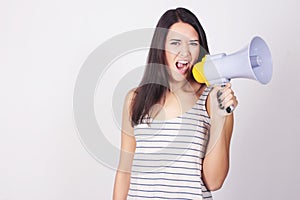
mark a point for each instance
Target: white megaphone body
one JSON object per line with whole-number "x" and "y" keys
{"x": 252, "y": 62}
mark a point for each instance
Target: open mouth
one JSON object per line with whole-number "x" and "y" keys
{"x": 182, "y": 66}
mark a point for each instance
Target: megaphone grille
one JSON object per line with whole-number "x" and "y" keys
{"x": 261, "y": 60}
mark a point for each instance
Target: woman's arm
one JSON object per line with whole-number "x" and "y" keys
{"x": 122, "y": 179}
{"x": 216, "y": 162}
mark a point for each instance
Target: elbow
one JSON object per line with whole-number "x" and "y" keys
{"x": 214, "y": 183}
{"x": 214, "y": 186}
{"x": 214, "y": 177}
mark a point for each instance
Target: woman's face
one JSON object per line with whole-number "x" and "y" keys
{"x": 182, "y": 50}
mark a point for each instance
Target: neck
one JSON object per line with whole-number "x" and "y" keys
{"x": 190, "y": 86}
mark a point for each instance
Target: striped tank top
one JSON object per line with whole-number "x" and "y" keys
{"x": 168, "y": 158}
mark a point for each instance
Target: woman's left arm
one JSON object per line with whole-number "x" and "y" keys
{"x": 216, "y": 162}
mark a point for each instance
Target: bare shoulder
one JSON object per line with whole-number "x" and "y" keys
{"x": 126, "y": 115}
{"x": 128, "y": 99}
{"x": 131, "y": 93}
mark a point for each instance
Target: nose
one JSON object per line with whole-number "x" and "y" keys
{"x": 184, "y": 51}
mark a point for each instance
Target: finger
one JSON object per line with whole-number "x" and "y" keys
{"x": 228, "y": 98}
{"x": 224, "y": 94}
{"x": 218, "y": 91}
{"x": 230, "y": 102}
{"x": 228, "y": 85}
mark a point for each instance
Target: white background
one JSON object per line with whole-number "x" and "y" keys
{"x": 43, "y": 45}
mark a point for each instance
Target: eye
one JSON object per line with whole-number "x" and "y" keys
{"x": 194, "y": 43}
{"x": 175, "y": 43}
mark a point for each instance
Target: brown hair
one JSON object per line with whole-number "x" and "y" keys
{"x": 154, "y": 83}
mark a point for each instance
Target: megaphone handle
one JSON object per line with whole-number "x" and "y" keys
{"x": 230, "y": 108}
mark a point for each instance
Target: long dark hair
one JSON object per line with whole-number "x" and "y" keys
{"x": 154, "y": 83}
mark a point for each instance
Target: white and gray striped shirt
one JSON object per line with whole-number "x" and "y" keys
{"x": 168, "y": 158}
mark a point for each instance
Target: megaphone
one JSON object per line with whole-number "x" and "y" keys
{"x": 252, "y": 62}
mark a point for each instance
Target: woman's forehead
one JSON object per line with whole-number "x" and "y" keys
{"x": 182, "y": 30}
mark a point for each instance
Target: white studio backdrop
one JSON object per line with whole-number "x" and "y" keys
{"x": 43, "y": 45}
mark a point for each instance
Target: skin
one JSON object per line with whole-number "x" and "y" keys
{"x": 182, "y": 44}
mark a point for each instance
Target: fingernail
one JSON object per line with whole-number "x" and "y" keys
{"x": 219, "y": 93}
{"x": 221, "y": 106}
{"x": 219, "y": 100}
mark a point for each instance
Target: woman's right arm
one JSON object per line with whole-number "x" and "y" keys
{"x": 122, "y": 179}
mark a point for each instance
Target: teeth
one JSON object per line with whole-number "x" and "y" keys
{"x": 183, "y": 62}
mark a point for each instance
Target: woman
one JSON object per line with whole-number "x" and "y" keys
{"x": 169, "y": 118}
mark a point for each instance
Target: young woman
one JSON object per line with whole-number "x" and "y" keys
{"x": 170, "y": 118}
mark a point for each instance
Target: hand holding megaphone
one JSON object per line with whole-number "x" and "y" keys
{"x": 252, "y": 62}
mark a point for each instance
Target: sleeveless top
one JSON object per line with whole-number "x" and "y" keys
{"x": 168, "y": 158}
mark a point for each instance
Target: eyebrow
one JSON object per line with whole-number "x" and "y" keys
{"x": 178, "y": 40}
